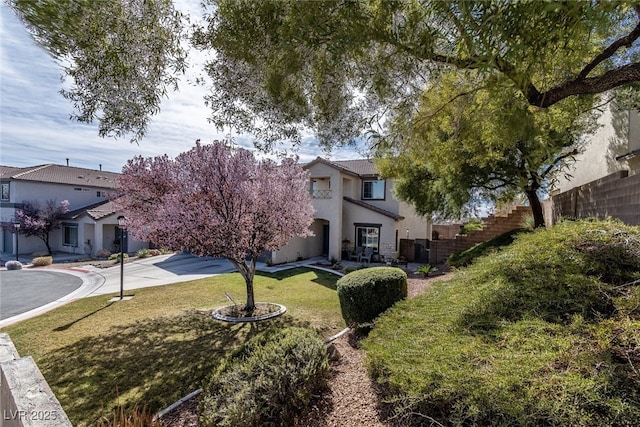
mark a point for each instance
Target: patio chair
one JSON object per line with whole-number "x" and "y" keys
{"x": 357, "y": 254}
{"x": 366, "y": 256}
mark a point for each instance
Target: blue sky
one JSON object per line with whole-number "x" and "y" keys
{"x": 34, "y": 118}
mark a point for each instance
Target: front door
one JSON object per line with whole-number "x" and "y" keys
{"x": 325, "y": 239}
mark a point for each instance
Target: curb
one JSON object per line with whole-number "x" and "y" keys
{"x": 90, "y": 282}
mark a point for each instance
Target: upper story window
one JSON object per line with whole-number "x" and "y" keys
{"x": 5, "y": 192}
{"x": 373, "y": 189}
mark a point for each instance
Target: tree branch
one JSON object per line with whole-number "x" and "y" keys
{"x": 558, "y": 160}
{"x": 611, "y": 79}
{"x": 625, "y": 41}
{"x": 460, "y": 95}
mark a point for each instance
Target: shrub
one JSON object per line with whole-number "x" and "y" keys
{"x": 42, "y": 261}
{"x": 472, "y": 225}
{"x": 545, "y": 332}
{"x": 269, "y": 381}
{"x": 143, "y": 253}
{"x": 365, "y": 294}
{"x": 13, "y": 265}
{"x": 103, "y": 253}
{"x": 116, "y": 257}
{"x": 154, "y": 252}
{"x": 426, "y": 269}
{"x": 123, "y": 417}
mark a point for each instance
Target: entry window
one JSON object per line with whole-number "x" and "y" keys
{"x": 373, "y": 190}
{"x": 70, "y": 233}
{"x": 368, "y": 237}
{"x": 5, "y": 192}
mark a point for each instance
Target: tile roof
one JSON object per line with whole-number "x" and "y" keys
{"x": 362, "y": 167}
{"x": 9, "y": 171}
{"x": 374, "y": 208}
{"x": 96, "y": 211}
{"x": 59, "y": 174}
{"x": 359, "y": 167}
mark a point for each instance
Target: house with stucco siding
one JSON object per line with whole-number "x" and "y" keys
{"x": 91, "y": 223}
{"x": 355, "y": 207}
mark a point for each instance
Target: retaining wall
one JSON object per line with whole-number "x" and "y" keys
{"x": 494, "y": 225}
{"x": 616, "y": 195}
{"x": 25, "y": 397}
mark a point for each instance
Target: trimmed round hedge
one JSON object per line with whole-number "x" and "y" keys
{"x": 367, "y": 293}
{"x": 268, "y": 382}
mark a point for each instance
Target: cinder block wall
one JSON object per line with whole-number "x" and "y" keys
{"x": 25, "y": 397}
{"x": 439, "y": 250}
{"x": 616, "y": 195}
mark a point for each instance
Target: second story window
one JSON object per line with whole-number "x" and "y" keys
{"x": 5, "y": 192}
{"x": 373, "y": 190}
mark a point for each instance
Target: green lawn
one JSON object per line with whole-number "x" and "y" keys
{"x": 158, "y": 347}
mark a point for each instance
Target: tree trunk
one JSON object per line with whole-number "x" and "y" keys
{"x": 536, "y": 208}
{"x": 46, "y": 242}
{"x": 247, "y": 270}
{"x": 251, "y": 272}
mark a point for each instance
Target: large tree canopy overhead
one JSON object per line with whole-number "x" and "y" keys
{"x": 337, "y": 66}
{"x": 122, "y": 56}
{"x": 344, "y": 67}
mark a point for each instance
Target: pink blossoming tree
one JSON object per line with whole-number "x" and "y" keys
{"x": 39, "y": 221}
{"x": 218, "y": 201}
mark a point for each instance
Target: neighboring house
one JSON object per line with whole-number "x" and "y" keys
{"x": 91, "y": 223}
{"x": 605, "y": 179}
{"x": 355, "y": 207}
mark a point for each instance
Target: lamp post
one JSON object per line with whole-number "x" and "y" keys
{"x": 122, "y": 223}
{"x": 16, "y": 226}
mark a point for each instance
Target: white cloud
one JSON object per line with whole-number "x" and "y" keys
{"x": 34, "y": 118}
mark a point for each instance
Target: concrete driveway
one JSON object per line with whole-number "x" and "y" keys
{"x": 159, "y": 270}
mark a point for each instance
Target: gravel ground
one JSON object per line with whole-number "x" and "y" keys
{"x": 351, "y": 399}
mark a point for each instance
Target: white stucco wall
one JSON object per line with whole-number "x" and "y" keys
{"x": 419, "y": 227}
{"x": 618, "y": 134}
{"x": 305, "y": 247}
{"x": 78, "y": 196}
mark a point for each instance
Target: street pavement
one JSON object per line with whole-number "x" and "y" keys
{"x": 22, "y": 291}
{"x": 27, "y": 293}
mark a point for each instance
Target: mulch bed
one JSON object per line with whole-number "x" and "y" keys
{"x": 352, "y": 399}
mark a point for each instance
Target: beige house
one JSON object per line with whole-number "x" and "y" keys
{"x": 354, "y": 207}
{"x": 91, "y": 223}
{"x": 605, "y": 179}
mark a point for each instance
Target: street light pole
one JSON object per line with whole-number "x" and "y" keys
{"x": 121, "y": 224}
{"x": 16, "y": 225}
